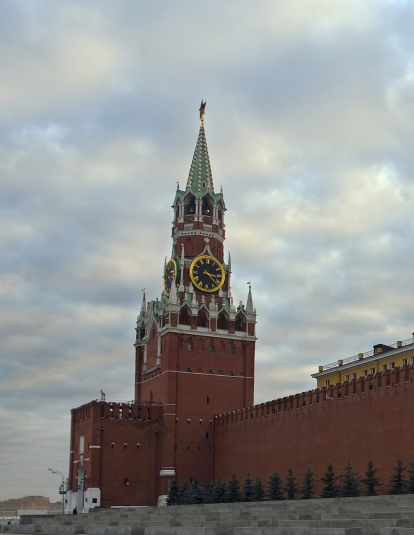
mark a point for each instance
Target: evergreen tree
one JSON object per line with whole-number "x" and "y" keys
{"x": 184, "y": 495}
{"x": 350, "y": 483}
{"x": 233, "y": 491}
{"x": 370, "y": 481}
{"x": 248, "y": 489}
{"x": 410, "y": 482}
{"x": 173, "y": 493}
{"x": 275, "y": 487}
{"x": 216, "y": 492}
{"x": 198, "y": 494}
{"x": 308, "y": 485}
{"x": 291, "y": 488}
{"x": 398, "y": 484}
{"x": 331, "y": 489}
{"x": 258, "y": 491}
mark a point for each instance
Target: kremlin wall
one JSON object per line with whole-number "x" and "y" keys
{"x": 192, "y": 415}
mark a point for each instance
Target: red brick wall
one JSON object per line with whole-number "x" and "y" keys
{"x": 118, "y": 456}
{"x": 375, "y": 425}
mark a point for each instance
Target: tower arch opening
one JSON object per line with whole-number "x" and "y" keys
{"x": 184, "y": 318}
{"x": 190, "y": 206}
{"x": 223, "y": 321}
{"x": 241, "y": 323}
{"x": 202, "y": 319}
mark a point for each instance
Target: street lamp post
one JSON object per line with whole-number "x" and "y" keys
{"x": 63, "y": 487}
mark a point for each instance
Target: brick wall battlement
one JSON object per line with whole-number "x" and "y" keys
{"x": 357, "y": 390}
{"x": 128, "y": 411}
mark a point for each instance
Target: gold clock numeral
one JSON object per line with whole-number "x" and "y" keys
{"x": 207, "y": 260}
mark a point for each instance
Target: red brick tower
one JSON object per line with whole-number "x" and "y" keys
{"x": 194, "y": 348}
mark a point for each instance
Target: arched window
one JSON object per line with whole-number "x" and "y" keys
{"x": 222, "y": 321}
{"x": 211, "y": 348}
{"x": 190, "y": 344}
{"x": 233, "y": 349}
{"x": 189, "y": 205}
{"x": 222, "y": 347}
{"x": 202, "y": 319}
{"x": 184, "y": 317}
{"x": 201, "y": 344}
{"x": 240, "y": 323}
{"x": 206, "y": 208}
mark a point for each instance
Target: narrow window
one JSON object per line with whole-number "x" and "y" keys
{"x": 137, "y": 446}
{"x": 231, "y": 373}
{"x": 112, "y": 445}
{"x": 347, "y": 378}
{"x": 365, "y": 373}
{"x": 81, "y": 444}
{"x": 372, "y": 371}
{"x": 354, "y": 376}
{"x": 392, "y": 365}
{"x": 206, "y": 435}
{"x": 404, "y": 362}
{"x": 189, "y": 370}
{"x": 327, "y": 382}
{"x": 232, "y": 349}
{"x": 211, "y": 348}
{"x": 125, "y": 446}
{"x": 384, "y": 367}
{"x": 208, "y": 399}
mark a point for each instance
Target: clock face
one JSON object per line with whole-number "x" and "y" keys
{"x": 207, "y": 274}
{"x": 170, "y": 275}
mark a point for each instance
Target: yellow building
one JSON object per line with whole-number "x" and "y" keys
{"x": 381, "y": 358}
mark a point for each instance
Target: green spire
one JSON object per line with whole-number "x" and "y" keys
{"x": 200, "y": 179}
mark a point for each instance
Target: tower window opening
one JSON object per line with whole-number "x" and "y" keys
{"x": 233, "y": 349}
{"x": 211, "y": 348}
{"x": 223, "y": 321}
{"x": 112, "y": 445}
{"x": 191, "y": 206}
{"x": 125, "y": 446}
{"x": 240, "y": 323}
{"x": 205, "y": 209}
{"x": 201, "y": 421}
{"x": 231, "y": 373}
{"x": 184, "y": 317}
{"x": 206, "y": 435}
{"x": 189, "y": 369}
{"x": 210, "y": 371}
{"x": 202, "y": 320}
{"x": 188, "y": 421}
{"x": 190, "y": 345}
{"x": 137, "y": 446}
{"x": 208, "y": 399}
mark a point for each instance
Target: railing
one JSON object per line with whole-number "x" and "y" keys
{"x": 367, "y": 354}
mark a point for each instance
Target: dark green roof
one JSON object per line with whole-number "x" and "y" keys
{"x": 200, "y": 179}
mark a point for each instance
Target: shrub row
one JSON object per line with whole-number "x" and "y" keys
{"x": 346, "y": 485}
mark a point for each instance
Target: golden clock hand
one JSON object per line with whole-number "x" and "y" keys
{"x": 211, "y": 276}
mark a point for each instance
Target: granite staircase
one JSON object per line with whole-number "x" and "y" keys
{"x": 380, "y": 515}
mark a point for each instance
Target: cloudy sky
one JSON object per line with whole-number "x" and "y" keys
{"x": 310, "y": 128}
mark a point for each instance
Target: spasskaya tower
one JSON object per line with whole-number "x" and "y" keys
{"x": 194, "y": 348}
